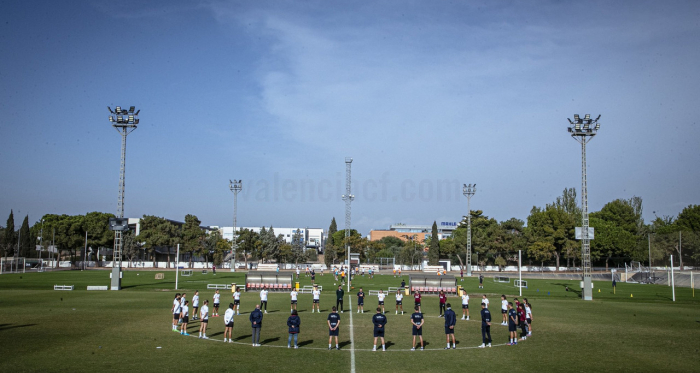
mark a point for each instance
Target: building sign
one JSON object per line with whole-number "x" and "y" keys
{"x": 448, "y": 224}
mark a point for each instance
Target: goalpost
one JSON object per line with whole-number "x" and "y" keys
{"x": 501, "y": 279}
{"x": 12, "y": 265}
{"x": 520, "y": 284}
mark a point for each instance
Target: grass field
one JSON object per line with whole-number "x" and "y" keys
{"x": 130, "y": 330}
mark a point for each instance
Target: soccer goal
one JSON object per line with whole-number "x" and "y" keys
{"x": 520, "y": 283}
{"x": 185, "y": 273}
{"x": 12, "y": 265}
{"x": 501, "y": 279}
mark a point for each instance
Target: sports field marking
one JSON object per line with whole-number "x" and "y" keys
{"x": 352, "y": 339}
{"x": 352, "y": 350}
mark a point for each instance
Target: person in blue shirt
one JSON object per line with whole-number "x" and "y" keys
{"x": 417, "y": 321}
{"x": 333, "y": 328}
{"x": 256, "y": 322}
{"x": 512, "y": 325}
{"x": 379, "y": 321}
{"x": 360, "y": 301}
{"x": 450, "y": 321}
{"x": 293, "y": 322}
{"x": 339, "y": 296}
{"x": 485, "y": 326}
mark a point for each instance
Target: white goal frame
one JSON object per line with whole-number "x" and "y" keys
{"x": 186, "y": 272}
{"x": 12, "y": 265}
{"x": 520, "y": 284}
{"x": 501, "y": 279}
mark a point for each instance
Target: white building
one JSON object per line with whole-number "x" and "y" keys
{"x": 313, "y": 237}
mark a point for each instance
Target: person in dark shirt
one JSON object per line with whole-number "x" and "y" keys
{"x": 450, "y": 321}
{"x": 403, "y": 284}
{"x": 443, "y": 301}
{"x": 379, "y": 321}
{"x": 333, "y": 328}
{"x": 293, "y": 322}
{"x": 360, "y": 301}
{"x": 512, "y": 325}
{"x": 485, "y": 326}
{"x": 481, "y": 281}
{"x": 522, "y": 318}
{"x": 340, "y": 294}
{"x": 417, "y": 321}
{"x": 256, "y": 322}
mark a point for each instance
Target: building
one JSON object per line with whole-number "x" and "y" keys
{"x": 417, "y": 233}
{"x": 313, "y": 237}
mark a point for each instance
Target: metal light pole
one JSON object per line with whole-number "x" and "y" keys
{"x": 468, "y": 191}
{"x": 125, "y": 122}
{"x": 348, "y": 198}
{"x": 583, "y": 130}
{"x": 235, "y": 186}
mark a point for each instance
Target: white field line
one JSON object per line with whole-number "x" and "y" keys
{"x": 352, "y": 339}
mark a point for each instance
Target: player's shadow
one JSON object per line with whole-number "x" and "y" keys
{"x": 572, "y": 290}
{"x": 389, "y": 344}
{"x": 269, "y": 340}
{"x": 304, "y": 343}
{"x": 10, "y": 326}
{"x": 215, "y": 334}
{"x": 243, "y": 337}
{"x": 425, "y": 343}
{"x": 343, "y": 344}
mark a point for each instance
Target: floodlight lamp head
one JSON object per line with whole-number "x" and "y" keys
{"x": 118, "y": 109}
{"x": 576, "y": 117}
{"x": 111, "y": 119}
{"x": 597, "y": 126}
{"x": 131, "y": 109}
{"x": 588, "y": 116}
{"x": 136, "y": 121}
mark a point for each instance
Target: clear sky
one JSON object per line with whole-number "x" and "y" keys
{"x": 424, "y": 95}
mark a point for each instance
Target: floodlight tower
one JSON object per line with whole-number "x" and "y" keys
{"x": 348, "y": 198}
{"x": 125, "y": 122}
{"x": 583, "y": 130}
{"x": 235, "y": 186}
{"x": 468, "y": 191}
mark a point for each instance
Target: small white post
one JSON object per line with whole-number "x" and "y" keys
{"x": 520, "y": 272}
{"x": 177, "y": 265}
{"x": 673, "y": 285}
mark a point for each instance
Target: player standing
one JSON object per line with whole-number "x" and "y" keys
{"x": 504, "y": 310}
{"x": 182, "y": 302}
{"x": 216, "y": 298}
{"x": 313, "y": 275}
{"x": 294, "y": 294}
{"x": 465, "y": 305}
{"x": 297, "y": 272}
{"x": 485, "y": 300}
{"x": 481, "y": 282}
{"x": 293, "y": 322}
{"x": 379, "y": 321}
{"x": 399, "y": 301}
{"x": 237, "y": 301}
{"x": 522, "y": 319}
{"x": 528, "y": 311}
{"x": 256, "y": 318}
{"x": 317, "y": 296}
{"x": 512, "y": 327}
{"x": 416, "y": 299}
{"x": 380, "y": 298}
{"x": 195, "y": 305}
{"x": 185, "y": 316}
{"x": 417, "y": 321}
{"x": 204, "y": 315}
{"x": 333, "y": 328}
{"x": 175, "y": 309}
{"x": 461, "y": 274}
{"x": 263, "y": 298}
{"x": 228, "y": 323}
{"x": 485, "y": 326}
{"x": 450, "y": 322}
{"x": 443, "y": 302}
{"x": 360, "y": 301}
{"x": 339, "y": 297}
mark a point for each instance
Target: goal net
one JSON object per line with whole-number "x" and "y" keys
{"x": 520, "y": 283}
{"x": 501, "y": 279}
{"x": 12, "y": 265}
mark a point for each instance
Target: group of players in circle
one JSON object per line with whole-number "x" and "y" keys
{"x": 514, "y": 314}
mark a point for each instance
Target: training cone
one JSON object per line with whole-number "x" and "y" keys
{"x": 631, "y": 295}
{"x": 599, "y": 290}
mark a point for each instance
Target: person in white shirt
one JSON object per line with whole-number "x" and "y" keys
{"x": 294, "y": 294}
{"x": 175, "y": 310}
{"x": 216, "y": 298}
{"x": 195, "y": 305}
{"x": 185, "y": 316}
{"x": 317, "y": 298}
{"x": 263, "y": 298}
{"x": 204, "y": 315}
{"x": 399, "y": 301}
{"x": 381, "y": 297}
{"x": 297, "y": 272}
{"x": 228, "y": 323}
{"x": 504, "y": 310}
{"x": 465, "y": 305}
{"x": 485, "y": 300}
{"x": 528, "y": 316}
{"x": 237, "y": 301}
{"x": 182, "y": 302}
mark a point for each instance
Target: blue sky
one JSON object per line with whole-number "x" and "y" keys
{"x": 424, "y": 96}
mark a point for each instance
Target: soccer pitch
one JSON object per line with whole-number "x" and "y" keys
{"x": 130, "y": 330}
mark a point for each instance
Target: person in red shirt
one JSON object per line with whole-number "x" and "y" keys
{"x": 522, "y": 316}
{"x": 443, "y": 300}
{"x": 416, "y": 298}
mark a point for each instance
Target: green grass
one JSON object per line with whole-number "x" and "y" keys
{"x": 46, "y": 330}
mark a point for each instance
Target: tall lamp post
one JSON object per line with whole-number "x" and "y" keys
{"x": 583, "y": 130}
{"x": 235, "y": 186}
{"x": 125, "y": 122}
{"x": 468, "y": 191}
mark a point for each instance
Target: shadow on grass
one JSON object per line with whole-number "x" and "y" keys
{"x": 269, "y": 340}
{"x": 343, "y": 344}
{"x": 215, "y": 334}
{"x": 577, "y": 292}
{"x": 10, "y": 326}
{"x": 389, "y": 344}
{"x": 304, "y": 343}
{"x": 243, "y": 337}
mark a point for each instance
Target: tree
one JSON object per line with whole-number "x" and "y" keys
{"x": 331, "y": 231}
{"x": 541, "y": 251}
{"x": 158, "y": 232}
{"x": 610, "y": 240}
{"x": 689, "y": 218}
{"x": 96, "y": 224}
{"x": 222, "y": 246}
{"x": 356, "y": 243}
{"x": 9, "y": 238}
{"x": 24, "y": 238}
{"x": 130, "y": 246}
{"x": 553, "y": 226}
{"x": 270, "y": 244}
{"x": 192, "y": 236}
{"x": 434, "y": 251}
{"x": 297, "y": 247}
